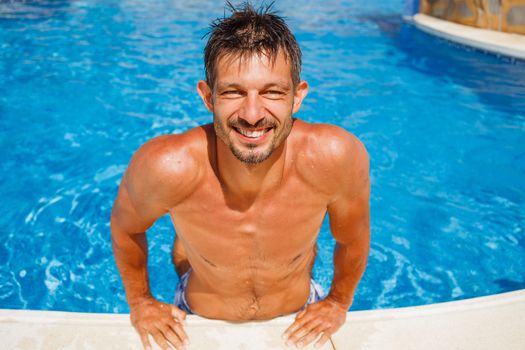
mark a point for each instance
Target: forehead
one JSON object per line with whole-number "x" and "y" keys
{"x": 260, "y": 67}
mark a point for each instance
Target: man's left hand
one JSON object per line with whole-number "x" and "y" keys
{"x": 322, "y": 319}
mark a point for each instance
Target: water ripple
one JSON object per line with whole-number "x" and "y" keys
{"x": 83, "y": 84}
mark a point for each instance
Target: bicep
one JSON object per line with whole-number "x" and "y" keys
{"x": 132, "y": 212}
{"x": 145, "y": 192}
{"x": 350, "y": 217}
{"x": 349, "y": 212}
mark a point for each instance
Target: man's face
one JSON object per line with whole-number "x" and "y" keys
{"x": 252, "y": 103}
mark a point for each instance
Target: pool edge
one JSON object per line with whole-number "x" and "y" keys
{"x": 477, "y": 323}
{"x": 506, "y": 44}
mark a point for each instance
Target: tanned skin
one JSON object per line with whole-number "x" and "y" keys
{"x": 248, "y": 230}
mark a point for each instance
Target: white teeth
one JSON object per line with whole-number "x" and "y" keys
{"x": 252, "y": 134}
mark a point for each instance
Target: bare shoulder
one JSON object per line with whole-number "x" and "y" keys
{"x": 331, "y": 157}
{"x": 167, "y": 168}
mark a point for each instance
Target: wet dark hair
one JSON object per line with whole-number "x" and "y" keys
{"x": 247, "y": 32}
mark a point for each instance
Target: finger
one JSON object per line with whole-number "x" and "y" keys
{"x": 172, "y": 338}
{"x": 311, "y": 336}
{"x": 179, "y": 330}
{"x": 302, "y": 332}
{"x": 144, "y": 339}
{"x": 298, "y": 323}
{"x": 305, "y": 330}
{"x": 290, "y": 330}
{"x": 178, "y": 313}
{"x": 324, "y": 338}
{"x": 160, "y": 340}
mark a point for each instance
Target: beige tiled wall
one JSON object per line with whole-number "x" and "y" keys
{"x": 499, "y": 15}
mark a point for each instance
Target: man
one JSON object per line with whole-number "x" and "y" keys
{"x": 247, "y": 196}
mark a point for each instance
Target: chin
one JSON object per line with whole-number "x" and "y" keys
{"x": 251, "y": 157}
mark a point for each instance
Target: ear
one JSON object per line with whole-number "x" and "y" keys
{"x": 300, "y": 93}
{"x": 206, "y": 94}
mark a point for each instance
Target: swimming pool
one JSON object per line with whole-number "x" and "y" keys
{"x": 83, "y": 84}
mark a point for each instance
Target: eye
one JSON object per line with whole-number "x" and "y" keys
{"x": 274, "y": 93}
{"x": 231, "y": 93}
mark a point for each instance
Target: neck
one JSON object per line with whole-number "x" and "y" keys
{"x": 249, "y": 180}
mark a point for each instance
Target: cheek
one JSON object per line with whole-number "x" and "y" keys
{"x": 224, "y": 109}
{"x": 280, "y": 109}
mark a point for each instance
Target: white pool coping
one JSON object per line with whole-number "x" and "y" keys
{"x": 492, "y": 322}
{"x": 507, "y": 44}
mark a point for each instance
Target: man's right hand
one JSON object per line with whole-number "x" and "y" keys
{"x": 163, "y": 321}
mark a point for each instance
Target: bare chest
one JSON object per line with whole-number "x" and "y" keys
{"x": 273, "y": 228}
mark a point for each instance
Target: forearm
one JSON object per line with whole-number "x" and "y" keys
{"x": 349, "y": 266}
{"x": 131, "y": 255}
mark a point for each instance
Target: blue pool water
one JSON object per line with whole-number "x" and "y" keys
{"x": 84, "y": 83}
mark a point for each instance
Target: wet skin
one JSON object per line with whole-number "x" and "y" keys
{"x": 247, "y": 196}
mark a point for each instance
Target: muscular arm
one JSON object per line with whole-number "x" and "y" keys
{"x": 350, "y": 225}
{"x": 130, "y": 247}
{"x": 152, "y": 184}
{"x": 349, "y": 185}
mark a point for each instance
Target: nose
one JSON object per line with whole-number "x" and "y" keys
{"x": 252, "y": 108}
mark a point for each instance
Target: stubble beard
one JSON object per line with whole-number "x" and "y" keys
{"x": 252, "y": 155}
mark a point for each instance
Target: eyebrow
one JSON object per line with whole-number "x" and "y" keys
{"x": 279, "y": 84}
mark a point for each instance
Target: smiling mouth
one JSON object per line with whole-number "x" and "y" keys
{"x": 252, "y": 134}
